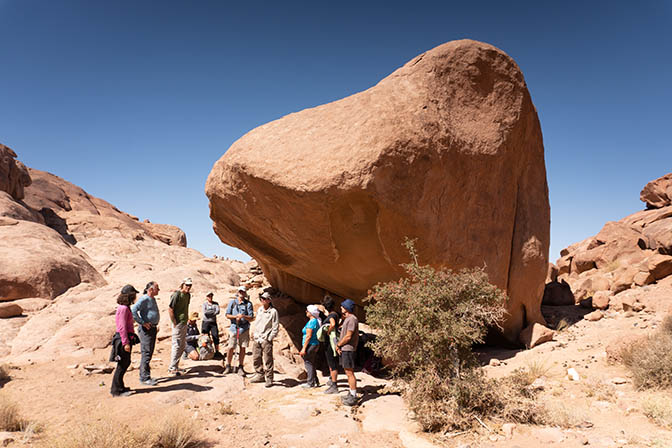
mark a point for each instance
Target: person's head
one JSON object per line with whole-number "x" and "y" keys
{"x": 210, "y": 296}
{"x": 347, "y": 306}
{"x": 328, "y": 303}
{"x": 312, "y": 311}
{"x": 186, "y": 285}
{"x": 241, "y": 293}
{"x": 152, "y": 289}
{"x": 265, "y": 300}
{"x": 193, "y": 317}
{"x": 127, "y": 295}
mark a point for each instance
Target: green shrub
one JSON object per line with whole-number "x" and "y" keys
{"x": 432, "y": 317}
{"x": 426, "y": 324}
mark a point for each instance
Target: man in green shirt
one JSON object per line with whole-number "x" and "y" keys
{"x": 178, "y": 310}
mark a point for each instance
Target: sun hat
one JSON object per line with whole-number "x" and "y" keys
{"x": 242, "y": 289}
{"x": 129, "y": 289}
{"x": 313, "y": 310}
{"x": 348, "y": 305}
{"x": 266, "y": 296}
{"x": 193, "y": 316}
{"x": 187, "y": 281}
{"x": 210, "y": 294}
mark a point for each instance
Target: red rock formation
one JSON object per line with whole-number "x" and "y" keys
{"x": 658, "y": 193}
{"x": 447, "y": 149}
{"x": 14, "y": 176}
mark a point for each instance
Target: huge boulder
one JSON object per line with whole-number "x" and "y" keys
{"x": 38, "y": 262}
{"x": 447, "y": 150}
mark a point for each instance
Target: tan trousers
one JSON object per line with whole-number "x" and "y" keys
{"x": 263, "y": 350}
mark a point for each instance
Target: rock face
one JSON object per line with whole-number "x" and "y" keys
{"x": 447, "y": 149}
{"x": 658, "y": 193}
{"x": 633, "y": 252}
{"x": 13, "y": 174}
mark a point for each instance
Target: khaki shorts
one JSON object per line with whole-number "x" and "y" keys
{"x": 243, "y": 339}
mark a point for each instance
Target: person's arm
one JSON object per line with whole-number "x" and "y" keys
{"x": 136, "y": 310}
{"x": 206, "y": 310}
{"x": 171, "y": 311}
{"x": 122, "y": 327}
{"x": 309, "y": 334}
{"x": 275, "y": 325}
{"x": 216, "y": 309}
{"x": 332, "y": 325}
{"x": 346, "y": 337}
{"x": 229, "y": 312}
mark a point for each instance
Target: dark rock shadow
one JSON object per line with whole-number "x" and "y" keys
{"x": 51, "y": 219}
{"x": 560, "y": 317}
{"x": 287, "y": 382}
{"x": 173, "y": 387}
{"x": 370, "y": 393}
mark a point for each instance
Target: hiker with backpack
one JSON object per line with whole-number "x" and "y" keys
{"x": 310, "y": 345}
{"x": 346, "y": 347}
{"x": 240, "y": 313}
{"x": 266, "y": 326}
{"x": 209, "y": 324}
{"x": 328, "y": 335}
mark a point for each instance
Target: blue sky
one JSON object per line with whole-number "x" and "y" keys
{"x": 134, "y": 101}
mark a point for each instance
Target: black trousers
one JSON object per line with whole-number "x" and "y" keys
{"x": 212, "y": 329}
{"x": 147, "y": 343}
{"x": 118, "y": 378}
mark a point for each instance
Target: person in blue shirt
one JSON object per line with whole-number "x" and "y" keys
{"x": 240, "y": 313}
{"x": 310, "y": 345}
{"x": 146, "y": 313}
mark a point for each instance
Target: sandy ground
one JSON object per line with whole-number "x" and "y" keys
{"x": 602, "y": 408}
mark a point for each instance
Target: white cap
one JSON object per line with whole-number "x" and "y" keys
{"x": 242, "y": 289}
{"x": 266, "y": 296}
{"x": 313, "y": 310}
{"x": 187, "y": 281}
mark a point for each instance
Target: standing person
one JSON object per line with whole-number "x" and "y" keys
{"x": 178, "y": 310}
{"x": 240, "y": 312}
{"x": 265, "y": 329}
{"x": 310, "y": 345}
{"x": 123, "y": 339}
{"x": 346, "y": 348}
{"x": 146, "y": 314}
{"x": 209, "y": 324}
{"x": 330, "y": 347}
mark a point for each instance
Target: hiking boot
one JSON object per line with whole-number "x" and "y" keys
{"x": 308, "y": 386}
{"x": 330, "y": 383}
{"x": 240, "y": 371}
{"x": 176, "y": 371}
{"x": 122, "y": 394}
{"x": 269, "y": 383}
{"x": 257, "y": 378}
{"x": 228, "y": 369}
{"x": 218, "y": 356}
{"x": 349, "y": 400}
{"x": 149, "y": 382}
{"x": 333, "y": 389}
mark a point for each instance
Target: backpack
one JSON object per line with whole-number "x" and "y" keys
{"x": 205, "y": 348}
{"x": 322, "y": 332}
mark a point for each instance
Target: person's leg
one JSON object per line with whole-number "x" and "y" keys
{"x": 243, "y": 342}
{"x": 352, "y": 380}
{"x": 175, "y": 352}
{"x": 145, "y": 354}
{"x": 268, "y": 361}
{"x": 118, "y": 386}
{"x": 231, "y": 345}
{"x": 257, "y": 357}
{"x": 309, "y": 363}
{"x": 214, "y": 334}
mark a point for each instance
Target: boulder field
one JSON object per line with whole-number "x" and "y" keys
{"x": 446, "y": 150}
{"x": 625, "y": 264}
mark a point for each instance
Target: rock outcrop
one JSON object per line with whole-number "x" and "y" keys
{"x": 14, "y": 176}
{"x": 658, "y": 193}
{"x": 631, "y": 253}
{"x": 447, "y": 150}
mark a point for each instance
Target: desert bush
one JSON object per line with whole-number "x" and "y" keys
{"x": 658, "y": 408}
{"x": 650, "y": 359}
{"x": 561, "y": 414}
{"x": 174, "y": 431}
{"x": 426, "y": 324}
{"x": 599, "y": 390}
{"x": 432, "y": 317}
{"x": 10, "y": 416}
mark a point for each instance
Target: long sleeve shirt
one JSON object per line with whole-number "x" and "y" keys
{"x": 266, "y": 324}
{"x": 124, "y": 321}
{"x": 210, "y": 311}
{"x": 146, "y": 310}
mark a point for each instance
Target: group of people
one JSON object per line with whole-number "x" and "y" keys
{"x": 338, "y": 332}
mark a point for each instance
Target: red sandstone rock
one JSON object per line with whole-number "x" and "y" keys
{"x": 594, "y": 316}
{"x": 658, "y": 193}
{"x": 9, "y": 309}
{"x": 535, "y": 334}
{"x": 659, "y": 266}
{"x": 447, "y": 149}
{"x": 14, "y": 176}
{"x": 601, "y": 300}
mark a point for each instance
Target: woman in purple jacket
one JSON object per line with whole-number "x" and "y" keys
{"x": 123, "y": 338}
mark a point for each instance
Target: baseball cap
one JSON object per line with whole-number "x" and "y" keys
{"x": 129, "y": 289}
{"x": 187, "y": 281}
{"x": 266, "y": 296}
{"x": 348, "y": 305}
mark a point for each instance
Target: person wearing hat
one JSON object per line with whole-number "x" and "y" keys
{"x": 178, "y": 310}
{"x": 310, "y": 345}
{"x": 240, "y": 313}
{"x": 346, "y": 347}
{"x": 191, "y": 349}
{"x": 266, "y": 326}
{"x": 146, "y": 314}
{"x": 122, "y": 341}
{"x": 209, "y": 324}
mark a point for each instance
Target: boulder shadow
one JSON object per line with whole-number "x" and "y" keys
{"x": 287, "y": 382}
{"x": 371, "y": 392}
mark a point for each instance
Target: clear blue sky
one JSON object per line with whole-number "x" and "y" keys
{"x": 135, "y": 100}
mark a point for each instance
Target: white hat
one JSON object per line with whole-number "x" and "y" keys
{"x": 314, "y": 310}
{"x": 242, "y": 289}
{"x": 266, "y": 296}
{"x": 187, "y": 281}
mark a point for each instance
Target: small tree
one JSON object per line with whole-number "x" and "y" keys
{"x": 430, "y": 319}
